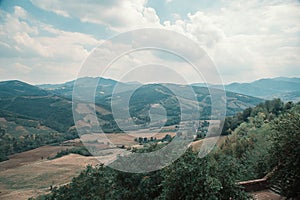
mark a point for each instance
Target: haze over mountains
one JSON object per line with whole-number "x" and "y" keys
{"x": 51, "y": 105}
{"x": 287, "y": 89}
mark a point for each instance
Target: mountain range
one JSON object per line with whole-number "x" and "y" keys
{"x": 287, "y": 89}
{"x": 284, "y": 88}
{"x": 51, "y": 104}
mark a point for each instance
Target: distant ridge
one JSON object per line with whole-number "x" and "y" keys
{"x": 16, "y": 88}
{"x": 285, "y": 88}
{"x": 288, "y": 89}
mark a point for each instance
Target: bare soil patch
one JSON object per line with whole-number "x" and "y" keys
{"x": 36, "y": 177}
{"x": 197, "y": 144}
{"x": 267, "y": 195}
{"x": 27, "y": 157}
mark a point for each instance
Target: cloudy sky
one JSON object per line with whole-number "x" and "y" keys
{"x": 47, "y": 41}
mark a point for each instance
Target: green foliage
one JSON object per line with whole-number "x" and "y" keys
{"x": 93, "y": 183}
{"x": 54, "y": 112}
{"x": 141, "y": 100}
{"x": 18, "y": 88}
{"x": 268, "y": 110}
{"x": 286, "y": 153}
{"x": 250, "y": 141}
{"x": 190, "y": 177}
{"x": 76, "y": 150}
{"x": 16, "y": 138}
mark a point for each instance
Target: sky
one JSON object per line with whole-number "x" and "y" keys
{"x": 49, "y": 41}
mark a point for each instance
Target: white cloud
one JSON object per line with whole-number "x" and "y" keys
{"x": 133, "y": 55}
{"x": 53, "y": 6}
{"x": 117, "y": 15}
{"x": 26, "y": 38}
{"x": 247, "y": 40}
{"x": 22, "y": 68}
{"x": 31, "y": 47}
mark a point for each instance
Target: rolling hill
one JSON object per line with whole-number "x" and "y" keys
{"x": 17, "y": 88}
{"x": 145, "y": 96}
{"x": 32, "y": 116}
{"x": 51, "y": 105}
{"x": 282, "y": 87}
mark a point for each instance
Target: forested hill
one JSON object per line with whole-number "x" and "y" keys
{"x": 53, "y": 107}
{"x": 284, "y": 88}
{"x": 263, "y": 139}
{"x": 31, "y": 116}
{"x": 17, "y": 88}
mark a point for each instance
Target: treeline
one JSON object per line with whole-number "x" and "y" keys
{"x": 51, "y": 111}
{"x": 19, "y": 134}
{"x": 11, "y": 144}
{"x": 31, "y": 122}
{"x": 145, "y": 140}
{"x": 76, "y": 150}
{"x": 263, "y": 139}
{"x": 270, "y": 109}
{"x": 267, "y": 140}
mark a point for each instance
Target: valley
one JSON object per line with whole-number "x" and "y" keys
{"x": 40, "y": 147}
{"x": 32, "y": 173}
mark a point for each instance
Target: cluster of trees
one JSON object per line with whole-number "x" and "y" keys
{"x": 142, "y": 140}
{"x": 76, "y": 150}
{"x": 10, "y": 144}
{"x": 202, "y": 129}
{"x": 30, "y": 136}
{"x": 267, "y": 141}
{"x": 41, "y": 119}
{"x": 285, "y": 153}
{"x": 270, "y": 109}
{"x": 190, "y": 177}
{"x": 54, "y": 112}
{"x": 145, "y": 140}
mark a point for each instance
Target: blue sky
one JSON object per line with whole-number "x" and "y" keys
{"x": 46, "y": 41}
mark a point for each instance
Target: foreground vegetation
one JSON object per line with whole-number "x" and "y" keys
{"x": 260, "y": 140}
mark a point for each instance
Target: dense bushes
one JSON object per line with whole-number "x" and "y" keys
{"x": 285, "y": 151}
{"x": 76, "y": 150}
{"x": 190, "y": 177}
{"x": 270, "y": 109}
{"x": 269, "y": 140}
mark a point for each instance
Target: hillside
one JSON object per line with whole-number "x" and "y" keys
{"x": 104, "y": 88}
{"x": 32, "y": 116}
{"x": 260, "y": 140}
{"x": 19, "y": 134}
{"x": 17, "y": 88}
{"x": 44, "y": 116}
{"x": 144, "y": 95}
{"x": 282, "y": 87}
{"x": 52, "y": 106}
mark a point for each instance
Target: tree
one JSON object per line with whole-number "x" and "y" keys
{"x": 2, "y": 132}
{"x": 212, "y": 177}
{"x": 286, "y": 153}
